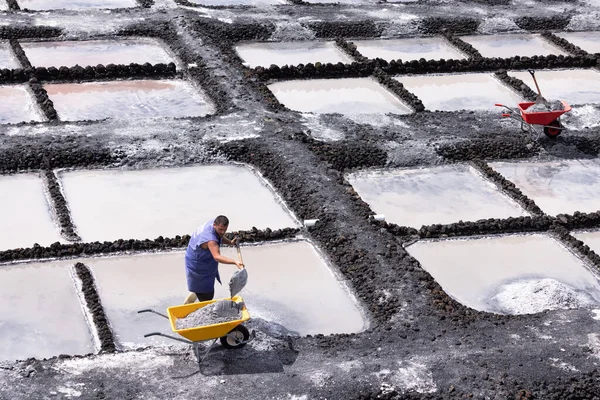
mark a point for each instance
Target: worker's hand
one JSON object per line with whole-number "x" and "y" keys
{"x": 239, "y": 265}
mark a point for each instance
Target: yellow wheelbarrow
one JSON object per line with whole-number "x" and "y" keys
{"x": 232, "y": 334}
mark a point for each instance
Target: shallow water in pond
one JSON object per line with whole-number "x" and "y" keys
{"x": 289, "y": 285}
{"x": 345, "y": 96}
{"x": 408, "y": 49}
{"x": 25, "y": 213}
{"x": 127, "y": 99}
{"x": 588, "y": 41}
{"x": 94, "y": 52}
{"x": 17, "y": 105}
{"x": 441, "y": 195}
{"x": 115, "y": 204}
{"x": 452, "y": 92}
{"x": 575, "y": 86}
{"x": 290, "y": 53}
{"x": 7, "y": 60}
{"x": 75, "y": 4}
{"x": 506, "y": 46}
{"x": 40, "y": 313}
{"x": 473, "y": 270}
{"x": 560, "y": 187}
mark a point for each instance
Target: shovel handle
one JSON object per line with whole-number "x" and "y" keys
{"x": 237, "y": 246}
{"x": 532, "y": 72}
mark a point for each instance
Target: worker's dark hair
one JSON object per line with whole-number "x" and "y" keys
{"x": 222, "y": 220}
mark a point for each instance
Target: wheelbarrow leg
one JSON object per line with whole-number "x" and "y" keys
{"x": 197, "y": 351}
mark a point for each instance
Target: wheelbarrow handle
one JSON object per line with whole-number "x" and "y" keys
{"x": 152, "y": 311}
{"x": 169, "y": 336}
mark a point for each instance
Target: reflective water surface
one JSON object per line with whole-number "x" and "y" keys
{"x": 290, "y": 53}
{"x": 472, "y": 270}
{"x": 575, "y": 86}
{"x": 345, "y": 96}
{"x": 408, "y": 49}
{"x": 115, "y": 204}
{"x": 452, "y": 92}
{"x": 17, "y": 105}
{"x": 560, "y": 187}
{"x": 442, "y": 195}
{"x": 84, "y": 53}
{"x": 505, "y": 46}
{"x": 127, "y": 99}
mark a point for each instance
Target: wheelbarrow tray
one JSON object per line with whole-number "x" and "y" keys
{"x": 543, "y": 117}
{"x": 205, "y": 332}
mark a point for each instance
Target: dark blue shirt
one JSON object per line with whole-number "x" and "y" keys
{"x": 201, "y": 269}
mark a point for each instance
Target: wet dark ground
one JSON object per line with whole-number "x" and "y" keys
{"x": 420, "y": 343}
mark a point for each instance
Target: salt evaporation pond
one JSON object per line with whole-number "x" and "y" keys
{"x": 408, "y": 49}
{"x": 557, "y": 187}
{"x": 453, "y": 92}
{"x": 278, "y": 278}
{"x": 587, "y": 41}
{"x": 94, "y": 52}
{"x": 127, "y": 99}
{"x": 575, "y": 86}
{"x": 290, "y": 53}
{"x": 140, "y": 204}
{"x": 40, "y": 313}
{"x": 344, "y": 96}
{"x": 25, "y": 213}
{"x": 510, "y": 45}
{"x": 17, "y": 105}
{"x": 7, "y": 60}
{"x": 590, "y": 238}
{"x": 75, "y": 4}
{"x": 440, "y": 195}
{"x": 483, "y": 273}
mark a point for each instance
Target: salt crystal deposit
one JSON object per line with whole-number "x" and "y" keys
{"x": 208, "y": 315}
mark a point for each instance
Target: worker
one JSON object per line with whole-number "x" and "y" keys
{"x": 203, "y": 255}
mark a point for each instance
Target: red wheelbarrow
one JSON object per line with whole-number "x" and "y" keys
{"x": 549, "y": 120}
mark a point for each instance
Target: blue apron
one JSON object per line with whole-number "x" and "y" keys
{"x": 201, "y": 269}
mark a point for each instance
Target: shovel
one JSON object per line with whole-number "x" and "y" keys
{"x": 539, "y": 99}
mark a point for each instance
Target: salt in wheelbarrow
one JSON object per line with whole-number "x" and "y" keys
{"x": 232, "y": 334}
{"x": 549, "y": 120}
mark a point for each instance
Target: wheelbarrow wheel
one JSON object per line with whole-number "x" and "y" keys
{"x": 236, "y": 338}
{"x": 553, "y": 129}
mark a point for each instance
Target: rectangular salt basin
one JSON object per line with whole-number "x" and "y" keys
{"x": 25, "y": 213}
{"x": 587, "y": 41}
{"x": 408, "y": 49}
{"x": 474, "y": 271}
{"x": 440, "y": 195}
{"x": 140, "y": 204}
{"x": 94, "y": 52}
{"x": 75, "y": 5}
{"x": 590, "y": 238}
{"x": 127, "y": 99}
{"x": 575, "y": 86}
{"x": 453, "y": 92}
{"x": 290, "y": 53}
{"x": 510, "y": 45}
{"x": 17, "y": 105}
{"x": 345, "y": 96}
{"x": 40, "y": 313}
{"x": 7, "y": 60}
{"x": 557, "y": 187}
{"x": 278, "y": 278}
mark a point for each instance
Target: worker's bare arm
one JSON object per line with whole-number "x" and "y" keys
{"x": 216, "y": 253}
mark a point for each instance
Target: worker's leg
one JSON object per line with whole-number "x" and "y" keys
{"x": 205, "y": 296}
{"x": 190, "y": 298}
